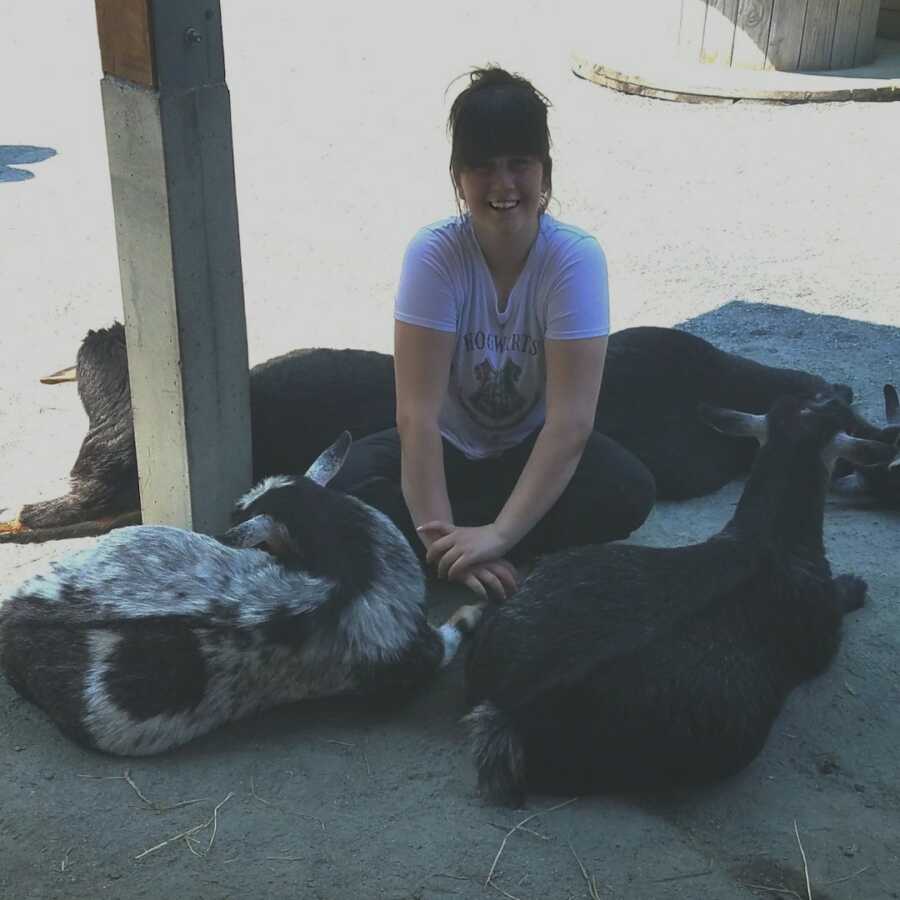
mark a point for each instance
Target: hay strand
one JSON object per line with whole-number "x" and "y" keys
{"x": 805, "y": 866}
{"x": 515, "y": 828}
{"x": 591, "y": 880}
{"x": 846, "y": 877}
{"x": 185, "y": 835}
{"x": 152, "y": 804}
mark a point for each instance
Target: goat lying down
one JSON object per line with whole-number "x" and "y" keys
{"x": 652, "y": 375}
{"x": 878, "y": 482}
{"x": 623, "y": 667}
{"x": 290, "y": 424}
{"x": 156, "y": 635}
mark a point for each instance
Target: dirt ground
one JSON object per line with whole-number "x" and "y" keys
{"x": 771, "y": 231}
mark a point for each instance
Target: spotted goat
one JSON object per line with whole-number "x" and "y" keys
{"x": 157, "y": 635}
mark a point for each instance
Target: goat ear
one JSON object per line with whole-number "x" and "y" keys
{"x": 861, "y": 452}
{"x": 251, "y": 533}
{"x": 734, "y": 422}
{"x": 891, "y": 405}
{"x": 329, "y": 463}
{"x": 843, "y": 392}
{"x": 260, "y": 532}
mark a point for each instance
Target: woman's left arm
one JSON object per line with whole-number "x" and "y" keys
{"x": 574, "y": 374}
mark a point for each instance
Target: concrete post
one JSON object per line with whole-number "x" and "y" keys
{"x": 168, "y": 127}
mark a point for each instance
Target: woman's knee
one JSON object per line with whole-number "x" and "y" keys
{"x": 386, "y": 496}
{"x": 635, "y": 497}
{"x": 611, "y": 493}
{"x": 374, "y": 456}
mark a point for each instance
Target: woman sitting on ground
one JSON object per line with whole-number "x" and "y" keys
{"x": 501, "y": 327}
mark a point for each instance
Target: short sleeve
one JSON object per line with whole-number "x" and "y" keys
{"x": 425, "y": 295}
{"x": 578, "y": 299}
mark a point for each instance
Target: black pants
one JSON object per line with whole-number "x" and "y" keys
{"x": 610, "y": 494}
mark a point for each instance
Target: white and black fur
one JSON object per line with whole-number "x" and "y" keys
{"x": 156, "y": 635}
{"x": 623, "y": 667}
{"x": 653, "y": 380}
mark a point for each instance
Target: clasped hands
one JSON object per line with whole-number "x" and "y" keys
{"x": 472, "y": 556}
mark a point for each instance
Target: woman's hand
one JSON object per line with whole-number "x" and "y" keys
{"x": 471, "y": 556}
{"x": 453, "y": 549}
{"x": 498, "y": 578}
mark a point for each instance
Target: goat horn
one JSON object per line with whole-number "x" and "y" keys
{"x": 61, "y": 377}
{"x": 891, "y": 405}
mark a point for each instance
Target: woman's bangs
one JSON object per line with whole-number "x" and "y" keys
{"x": 500, "y": 126}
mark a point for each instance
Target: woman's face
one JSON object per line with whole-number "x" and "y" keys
{"x": 503, "y": 193}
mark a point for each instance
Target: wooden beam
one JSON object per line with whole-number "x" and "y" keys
{"x": 172, "y": 175}
{"x": 126, "y": 50}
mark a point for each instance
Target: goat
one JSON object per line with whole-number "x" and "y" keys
{"x": 621, "y": 667}
{"x": 654, "y": 381}
{"x": 290, "y": 423}
{"x": 652, "y": 375}
{"x": 876, "y": 481}
{"x": 156, "y": 635}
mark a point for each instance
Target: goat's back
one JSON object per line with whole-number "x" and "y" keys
{"x": 156, "y": 635}
{"x": 302, "y": 401}
{"x": 653, "y": 382}
{"x": 632, "y": 667}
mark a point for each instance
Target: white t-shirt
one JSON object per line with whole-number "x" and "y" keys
{"x": 496, "y": 394}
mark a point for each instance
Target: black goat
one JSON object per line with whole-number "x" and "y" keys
{"x": 878, "y": 482}
{"x": 622, "y": 667}
{"x": 301, "y": 401}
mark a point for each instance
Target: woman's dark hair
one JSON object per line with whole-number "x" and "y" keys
{"x": 499, "y": 114}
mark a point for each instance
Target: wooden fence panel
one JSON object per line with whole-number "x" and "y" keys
{"x": 818, "y": 34}
{"x": 690, "y": 32}
{"x": 718, "y": 33}
{"x": 785, "y": 35}
{"x": 751, "y": 38}
{"x": 846, "y": 29}
{"x": 889, "y": 20}
{"x": 868, "y": 25}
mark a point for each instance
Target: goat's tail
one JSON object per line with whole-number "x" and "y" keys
{"x": 499, "y": 754}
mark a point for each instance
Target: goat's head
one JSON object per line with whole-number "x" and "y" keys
{"x": 874, "y": 480}
{"x": 266, "y": 517}
{"x": 882, "y": 482}
{"x": 823, "y": 425}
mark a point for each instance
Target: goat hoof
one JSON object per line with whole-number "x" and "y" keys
{"x": 851, "y": 591}
{"x": 466, "y": 618}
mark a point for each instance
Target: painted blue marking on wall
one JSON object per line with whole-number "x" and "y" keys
{"x": 18, "y": 155}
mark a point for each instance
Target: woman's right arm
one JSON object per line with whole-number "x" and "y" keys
{"x": 422, "y": 358}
